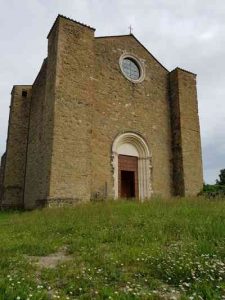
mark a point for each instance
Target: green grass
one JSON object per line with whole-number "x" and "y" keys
{"x": 119, "y": 250}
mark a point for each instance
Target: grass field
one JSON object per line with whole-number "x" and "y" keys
{"x": 172, "y": 249}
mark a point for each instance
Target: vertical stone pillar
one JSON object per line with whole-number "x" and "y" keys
{"x": 73, "y": 100}
{"x": 39, "y": 144}
{"x": 16, "y": 148}
{"x": 186, "y": 144}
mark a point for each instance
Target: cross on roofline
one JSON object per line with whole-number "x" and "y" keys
{"x": 130, "y": 28}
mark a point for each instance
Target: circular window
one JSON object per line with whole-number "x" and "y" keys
{"x": 132, "y": 68}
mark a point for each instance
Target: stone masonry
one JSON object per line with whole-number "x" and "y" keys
{"x": 62, "y": 128}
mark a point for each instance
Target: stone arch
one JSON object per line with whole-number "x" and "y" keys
{"x": 130, "y": 143}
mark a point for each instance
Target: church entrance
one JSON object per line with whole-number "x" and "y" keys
{"x": 131, "y": 161}
{"x": 127, "y": 184}
{"x": 128, "y": 176}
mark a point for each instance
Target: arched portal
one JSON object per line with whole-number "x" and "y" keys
{"x": 130, "y": 147}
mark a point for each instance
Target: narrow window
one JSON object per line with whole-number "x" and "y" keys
{"x": 24, "y": 94}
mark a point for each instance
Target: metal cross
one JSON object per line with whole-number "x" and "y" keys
{"x": 130, "y": 29}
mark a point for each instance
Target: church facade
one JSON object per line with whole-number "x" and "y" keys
{"x": 102, "y": 120}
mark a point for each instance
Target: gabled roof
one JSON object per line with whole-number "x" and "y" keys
{"x": 114, "y": 36}
{"x": 131, "y": 35}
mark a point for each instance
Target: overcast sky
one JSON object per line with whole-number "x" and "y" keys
{"x": 189, "y": 34}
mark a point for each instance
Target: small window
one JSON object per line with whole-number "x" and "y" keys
{"x": 24, "y": 94}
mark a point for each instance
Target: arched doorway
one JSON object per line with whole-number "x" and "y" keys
{"x": 131, "y": 162}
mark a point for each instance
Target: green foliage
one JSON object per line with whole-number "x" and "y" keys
{"x": 213, "y": 190}
{"x": 119, "y": 250}
{"x": 221, "y": 181}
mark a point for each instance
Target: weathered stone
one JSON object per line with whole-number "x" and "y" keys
{"x": 81, "y": 102}
{"x": 16, "y": 151}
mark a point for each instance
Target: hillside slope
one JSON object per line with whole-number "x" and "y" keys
{"x": 172, "y": 249}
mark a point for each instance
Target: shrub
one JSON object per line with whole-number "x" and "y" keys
{"x": 213, "y": 190}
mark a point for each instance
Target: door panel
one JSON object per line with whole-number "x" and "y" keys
{"x": 128, "y": 176}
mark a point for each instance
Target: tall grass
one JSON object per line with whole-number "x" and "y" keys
{"x": 160, "y": 249}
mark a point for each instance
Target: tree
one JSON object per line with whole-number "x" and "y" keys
{"x": 221, "y": 181}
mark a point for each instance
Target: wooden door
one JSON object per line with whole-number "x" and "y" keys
{"x": 128, "y": 176}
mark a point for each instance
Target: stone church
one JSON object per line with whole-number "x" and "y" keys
{"x": 104, "y": 119}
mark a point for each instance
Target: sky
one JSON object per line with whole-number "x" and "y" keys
{"x": 189, "y": 34}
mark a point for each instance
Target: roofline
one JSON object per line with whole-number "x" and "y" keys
{"x": 25, "y": 85}
{"x": 131, "y": 34}
{"x": 111, "y": 36}
{"x": 61, "y": 16}
{"x": 115, "y": 36}
{"x": 177, "y": 69}
{"x": 44, "y": 62}
{"x": 3, "y": 155}
{"x": 22, "y": 85}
